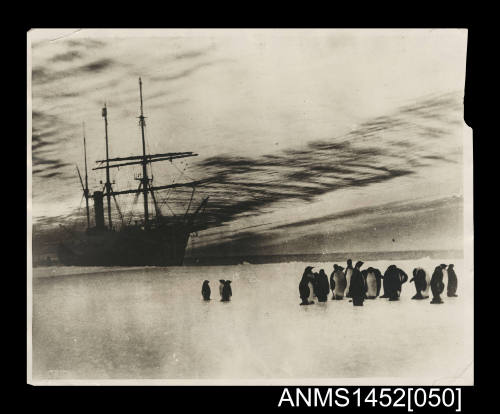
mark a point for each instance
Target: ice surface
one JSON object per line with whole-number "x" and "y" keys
{"x": 151, "y": 323}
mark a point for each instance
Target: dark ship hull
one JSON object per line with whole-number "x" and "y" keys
{"x": 132, "y": 246}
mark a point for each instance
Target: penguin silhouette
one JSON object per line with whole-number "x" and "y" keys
{"x": 315, "y": 286}
{"x": 205, "y": 290}
{"x": 393, "y": 281}
{"x": 421, "y": 283}
{"x": 403, "y": 278}
{"x": 348, "y": 274}
{"x": 358, "y": 285}
{"x": 437, "y": 285}
{"x": 227, "y": 292}
{"x": 322, "y": 286}
{"x": 332, "y": 281}
{"x": 305, "y": 286}
{"x": 452, "y": 282}
{"x": 337, "y": 282}
{"x": 373, "y": 279}
{"x": 221, "y": 286}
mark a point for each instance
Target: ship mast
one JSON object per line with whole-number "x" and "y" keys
{"x": 108, "y": 182}
{"x": 145, "y": 179}
{"x": 86, "y": 190}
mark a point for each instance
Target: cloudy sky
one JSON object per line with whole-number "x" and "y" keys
{"x": 316, "y": 140}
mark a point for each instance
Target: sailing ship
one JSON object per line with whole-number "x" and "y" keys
{"x": 155, "y": 240}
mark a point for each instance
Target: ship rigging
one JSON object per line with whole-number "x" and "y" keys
{"x": 158, "y": 241}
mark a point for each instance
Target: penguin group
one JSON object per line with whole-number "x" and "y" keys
{"x": 225, "y": 290}
{"x": 360, "y": 285}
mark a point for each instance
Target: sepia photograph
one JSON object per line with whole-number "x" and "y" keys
{"x": 249, "y": 207}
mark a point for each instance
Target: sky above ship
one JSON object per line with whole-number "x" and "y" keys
{"x": 306, "y": 138}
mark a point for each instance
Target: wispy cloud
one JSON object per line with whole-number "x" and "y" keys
{"x": 365, "y": 156}
{"x": 86, "y": 43}
{"x": 66, "y": 56}
{"x": 41, "y": 75}
{"x": 183, "y": 73}
{"x": 191, "y": 54}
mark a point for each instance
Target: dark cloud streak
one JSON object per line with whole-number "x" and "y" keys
{"x": 67, "y": 56}
{"x": 41, "y": 75}
{"x": 240, "y": 186}
{"x": 186, "y": 72}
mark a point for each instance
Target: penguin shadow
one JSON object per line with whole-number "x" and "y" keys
{"x": 322, "y": 305}
{"x": 394, "y": 301}
{"x": 419, "y": 296}
{"x": 314, "y": 307}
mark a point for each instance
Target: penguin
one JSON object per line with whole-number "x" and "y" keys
{"x": 221, "y": 286}
{"x": 311, "y": 285}
{"x": 437, "y": 285}
{"x": 403, "y": 278}
{"x": 393, "y": 281}
{"x": 205, "y": 290}
{"x": 373, "y": 281}
{"x": 305, "y": 285}
{"x": 348, "y": 275}
{"x": 451, "y": 290}
{"x": 379, "y": 277}
{"x": 322, "y": 286}
{"x": 422, "y": 283}
{"x": 315, "y": 284}
{"x": 389, "y": 281}
{"x": 332, "y": 281}
{"x": 227, "y": 292}
{"x": 304, "y": 288}
{"x": 337, "y": 283}
{"x": 357, "y": 285}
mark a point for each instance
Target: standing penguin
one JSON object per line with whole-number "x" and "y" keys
{"x": 227, "y": 292}
{"x": 373, "y": 279}
{"x": 451, "y": 290}
{"x": 403, "y": 278}
{"x": 311, "y": 283}
{"x": 205, "y": 290}
{"x": 305, "y": 286}
{"x": 385, "y": 285}
{"x": 437, "y": 285}
{"x": 393, "y": 281}
{"x": 357, "y": 285}
{"x": 348, "y": 275}
{"x": 337, "y": 282}
{"x": 322, "y": 286}
{"x": 332, "y": 281}
{"x": 221, "y": 286}
{"x": 315, "y": 288}
{"x": 422, "y": 283}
